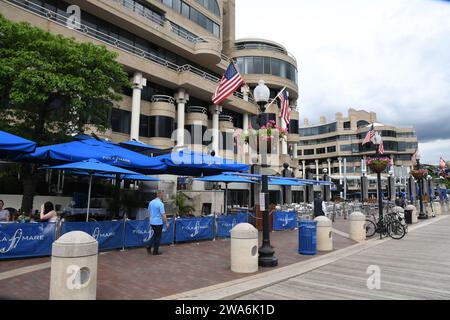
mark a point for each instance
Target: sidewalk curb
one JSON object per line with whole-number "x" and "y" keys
{"x": 237, "y": 288}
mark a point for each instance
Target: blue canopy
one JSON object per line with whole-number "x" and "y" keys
{"x": 11, "y": 145}
{"x": 225, "y": 179}
{"x": 284, "y": 182}
{"x": 138, "y": 146}
{"x": 136, "y": 177}
{"x": 103, "y": 151}
{"x": 190, "y": 163}
{"x": 92, "y": 167}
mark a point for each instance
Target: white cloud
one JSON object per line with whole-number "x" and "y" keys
{"x": 387, "y": 56}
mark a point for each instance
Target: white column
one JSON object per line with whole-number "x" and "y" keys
{"x": 295, "y": 146}
{"x": 304, "y": 169}
{"x": 245, "y": 122}
{"x": 340, "y": 170}
{"x": 181, "y": 98}
{"x": 245, "y": 91}
{"x": 345, "y": 178}
{"x": 317, "y": 170}
{"x": 329, "y": 166}
{"x": 216, "y": 110}
{"x": 139, "y": 83}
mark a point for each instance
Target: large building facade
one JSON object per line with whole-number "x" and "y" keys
{"x": 337, "y": 147}
{"x": 175, "y": 52}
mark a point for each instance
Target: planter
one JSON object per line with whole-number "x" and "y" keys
{"x": 379, "y": 166}
{"x": 419, "y": 174}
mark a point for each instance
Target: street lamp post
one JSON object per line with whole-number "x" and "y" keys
{"x": 430, "y": 194}
{"x": 285, "y": 174}
{"x": 325, "y": 187}
{"x": 363, "y": 184}
{"x": 423, "y": 215}
{"x": 267, "y": 257}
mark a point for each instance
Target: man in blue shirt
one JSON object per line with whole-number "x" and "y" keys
{"x": 157, "y": 217}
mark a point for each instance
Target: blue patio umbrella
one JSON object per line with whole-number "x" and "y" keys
{"x": 136, "y": 177}
{"x": 285, "y": 182}
{"x": 103, "y": 151}
{"x": 190, "y": 163}
{"x": 138, "y": 146}
{"x": 12, "y": 145}
{"x": 225, "y": 178}
{"x": 92, "y": 167}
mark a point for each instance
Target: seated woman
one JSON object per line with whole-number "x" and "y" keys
{"x": 5, "y": 215}
{"x": 48, "y": 213}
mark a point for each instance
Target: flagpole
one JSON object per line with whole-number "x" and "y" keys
{"x": 278, "y": 95}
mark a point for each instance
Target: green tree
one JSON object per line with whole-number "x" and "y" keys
{"x": 52, "y": 87}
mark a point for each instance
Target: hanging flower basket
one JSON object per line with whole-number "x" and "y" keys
{"x": 419, "y": 174}
{"x": 378, "y": 165}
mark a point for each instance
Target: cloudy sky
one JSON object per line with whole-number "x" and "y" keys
{"x": 387, "y": 56}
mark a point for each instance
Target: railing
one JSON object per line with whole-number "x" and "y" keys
{"x": 162, "y": 21}
{"x": 264, "y": 47}
{"x": 226, "y": 118}
{"x": 197, "y": 109}
{"x": 162, "y": 98}
{"x": 100, "y": 36}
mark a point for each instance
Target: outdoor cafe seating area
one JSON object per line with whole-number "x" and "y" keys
{"x": 95, "y": 161}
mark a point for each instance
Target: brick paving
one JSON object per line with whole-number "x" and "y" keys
{"x": 134, "y": 275}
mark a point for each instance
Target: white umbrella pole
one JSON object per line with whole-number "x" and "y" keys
{"x": 89, "y": 198}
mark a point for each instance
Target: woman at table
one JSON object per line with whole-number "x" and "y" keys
{"x": 48, "y": 213}
{"x": 4, "y": 214}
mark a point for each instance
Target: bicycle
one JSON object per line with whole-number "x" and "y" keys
{"x": 391, "y": 225}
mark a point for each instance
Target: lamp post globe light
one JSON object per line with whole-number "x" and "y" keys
{"x": 423, "y": 214}
{"x": 267, "y": 257}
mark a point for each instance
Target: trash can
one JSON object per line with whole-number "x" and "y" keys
{"x": 324, "y": 234}
{"x": 408, "y": 216}
{"x": 307, "y": 237}
{"x": 73, "y": 274}
{"x": 244, "y": 248}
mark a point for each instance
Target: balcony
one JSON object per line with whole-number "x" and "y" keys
{"x": 207, "y": 48}
{"x": 264, "y": 47}
{"x": 163, "y": 99}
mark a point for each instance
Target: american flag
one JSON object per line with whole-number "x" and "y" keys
{"x": 442, "y": 164}
{"x": 370, "y": 135}
{"x": 285, "y": 114}
{"x": 381, "y": 148}
{"x": 230, "y": 82}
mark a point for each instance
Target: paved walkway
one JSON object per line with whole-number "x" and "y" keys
{"x": 133, "y": 275}
{"x": 417, "y": 267}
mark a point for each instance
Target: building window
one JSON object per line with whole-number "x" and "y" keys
{"x": 320, "y": 151}
{"x": 346, "y": 148}
{"x": 197, "y": 133}
{"x": 293, "y": 126}
{"x": 331, "y": 149}
{"x": 328, "y": 128}
{"x": 347, "y": 125}
{"x": 362, "y": 123}
{"x": 309, "y": 152}
{"x": 156, "y": 127}
{"x": 267, "y": 65}
{"x": 195, "y": 16}
{"x": 121, "y": 121}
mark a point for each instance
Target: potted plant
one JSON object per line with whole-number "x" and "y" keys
{"x": 378, "y": 165}
{"x": 184, "y": 210}
{"x": 419, "y": 174}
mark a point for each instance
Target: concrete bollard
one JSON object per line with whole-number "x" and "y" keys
{"x": 74, "y": 267}
{"x": 324, "y": 234}
{"x": 415, "y": 218}
{"x": 244, "y": 249}
{"x": 399, "y": 210}
{"x": 357, "y": 226}
{"x": 437, "y": 209}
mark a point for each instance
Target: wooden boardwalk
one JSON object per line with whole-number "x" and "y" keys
{"x": 415, "y": 268}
